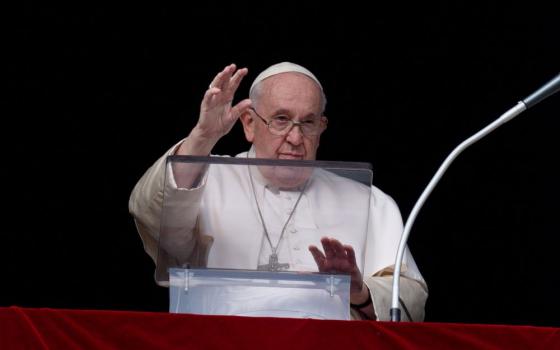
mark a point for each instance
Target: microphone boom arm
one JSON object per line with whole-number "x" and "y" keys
{"x": 545, "y": 91}
{"x": 510, "y": 114}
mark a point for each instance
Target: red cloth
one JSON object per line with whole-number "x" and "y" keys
{"x": 22, "y": 328}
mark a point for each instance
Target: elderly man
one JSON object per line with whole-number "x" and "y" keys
{"x": 283, "y": 119}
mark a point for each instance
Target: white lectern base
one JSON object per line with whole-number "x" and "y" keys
{"x": 259, "y": 293}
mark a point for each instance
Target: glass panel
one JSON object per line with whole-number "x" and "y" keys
{"x": 258, "y": 214}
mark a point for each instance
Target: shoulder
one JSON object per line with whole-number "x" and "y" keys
{"x": 338, "y": 181}
{"x": 350, "y": 186}
{"x": 384, "y": 204}
{"x": 241, "y": 155}
{"x": 381, "y": 196}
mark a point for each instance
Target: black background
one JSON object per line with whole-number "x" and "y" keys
{"x": 93, "y": 94}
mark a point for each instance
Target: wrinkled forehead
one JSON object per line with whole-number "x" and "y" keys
{"x": 290, "y": 90}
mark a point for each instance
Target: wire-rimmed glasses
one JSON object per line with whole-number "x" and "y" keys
{"x": 281, "y": 125}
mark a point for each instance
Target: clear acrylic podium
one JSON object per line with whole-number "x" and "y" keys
{"x": 235, "y": 234}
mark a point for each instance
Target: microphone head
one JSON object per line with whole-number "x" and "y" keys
{"x": 545, "y": 91}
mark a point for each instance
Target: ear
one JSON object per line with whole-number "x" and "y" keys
{"x": 324, "y": 122}
{"x": 248, "y": 125}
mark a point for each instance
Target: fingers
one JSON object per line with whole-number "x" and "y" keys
{"x": 210, "y": 92}
{"x": 217, "y": 116}
{"x": 223, "y": 87}
{"x": 236, "y": 80}
{"x": 333, "y": 248}
{"x": 228, "y": 80}
{"x": 319, "y": 258}
{"x": 351, "y": 254}
{"x": 208, "y": 99}
{"x": 211, "y": 96}
{"x": 328, "y": 248}
{"x": 337, "y": 258}
{"x": 240, "y": 108}
{"x": 222, "y": 77}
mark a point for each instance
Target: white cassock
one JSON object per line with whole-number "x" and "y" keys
{"x": 217, "y": 224}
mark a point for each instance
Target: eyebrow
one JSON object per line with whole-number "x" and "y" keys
{"x": 283, "y": 111}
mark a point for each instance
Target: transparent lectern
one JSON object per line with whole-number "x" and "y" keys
{"x": 235, "y": 234}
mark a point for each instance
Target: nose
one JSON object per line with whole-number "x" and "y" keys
{"x": 295, "y": 135}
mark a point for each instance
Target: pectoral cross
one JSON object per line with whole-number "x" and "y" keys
{"x": 273, "y": 264}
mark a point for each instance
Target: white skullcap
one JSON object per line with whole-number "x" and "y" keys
{"x": 283, "y": 67}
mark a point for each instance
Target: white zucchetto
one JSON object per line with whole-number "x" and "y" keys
{"x": 283, "y": 67}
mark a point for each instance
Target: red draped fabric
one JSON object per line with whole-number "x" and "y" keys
{"x": 25, "y": 328}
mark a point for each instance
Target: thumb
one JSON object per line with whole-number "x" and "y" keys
{"x": 240, "y": 108}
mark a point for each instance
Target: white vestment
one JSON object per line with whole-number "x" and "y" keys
{"x": 217, "y": 224}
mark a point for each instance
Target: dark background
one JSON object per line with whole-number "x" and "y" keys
{"x": 94, "y": 94}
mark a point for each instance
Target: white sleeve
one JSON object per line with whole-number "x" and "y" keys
{"x": 384, "y": 233}
{"x": 182, "y": 207}
{"x": 412, "y": 300}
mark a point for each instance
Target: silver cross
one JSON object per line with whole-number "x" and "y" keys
{"x": 273, "y": 264}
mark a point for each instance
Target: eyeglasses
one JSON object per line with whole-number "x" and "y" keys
{"x": 281, "y": 125}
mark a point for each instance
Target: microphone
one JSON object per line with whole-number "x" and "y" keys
{"x": 545, "y": 91}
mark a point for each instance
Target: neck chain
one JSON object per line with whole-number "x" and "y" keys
{"x": 273, "y": 264}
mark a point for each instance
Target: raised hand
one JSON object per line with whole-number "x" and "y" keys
{"x": 217, "y": 116}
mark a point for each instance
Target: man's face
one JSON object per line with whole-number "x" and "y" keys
{"x": 295, "y": 96}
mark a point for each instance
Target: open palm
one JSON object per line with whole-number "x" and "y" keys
{"x": 338, "y": 258}
{"x": 217, "y": 116}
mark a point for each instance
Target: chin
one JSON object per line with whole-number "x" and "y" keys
{"x": 290, "y": 157}
{"x": 286, "y": 176}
